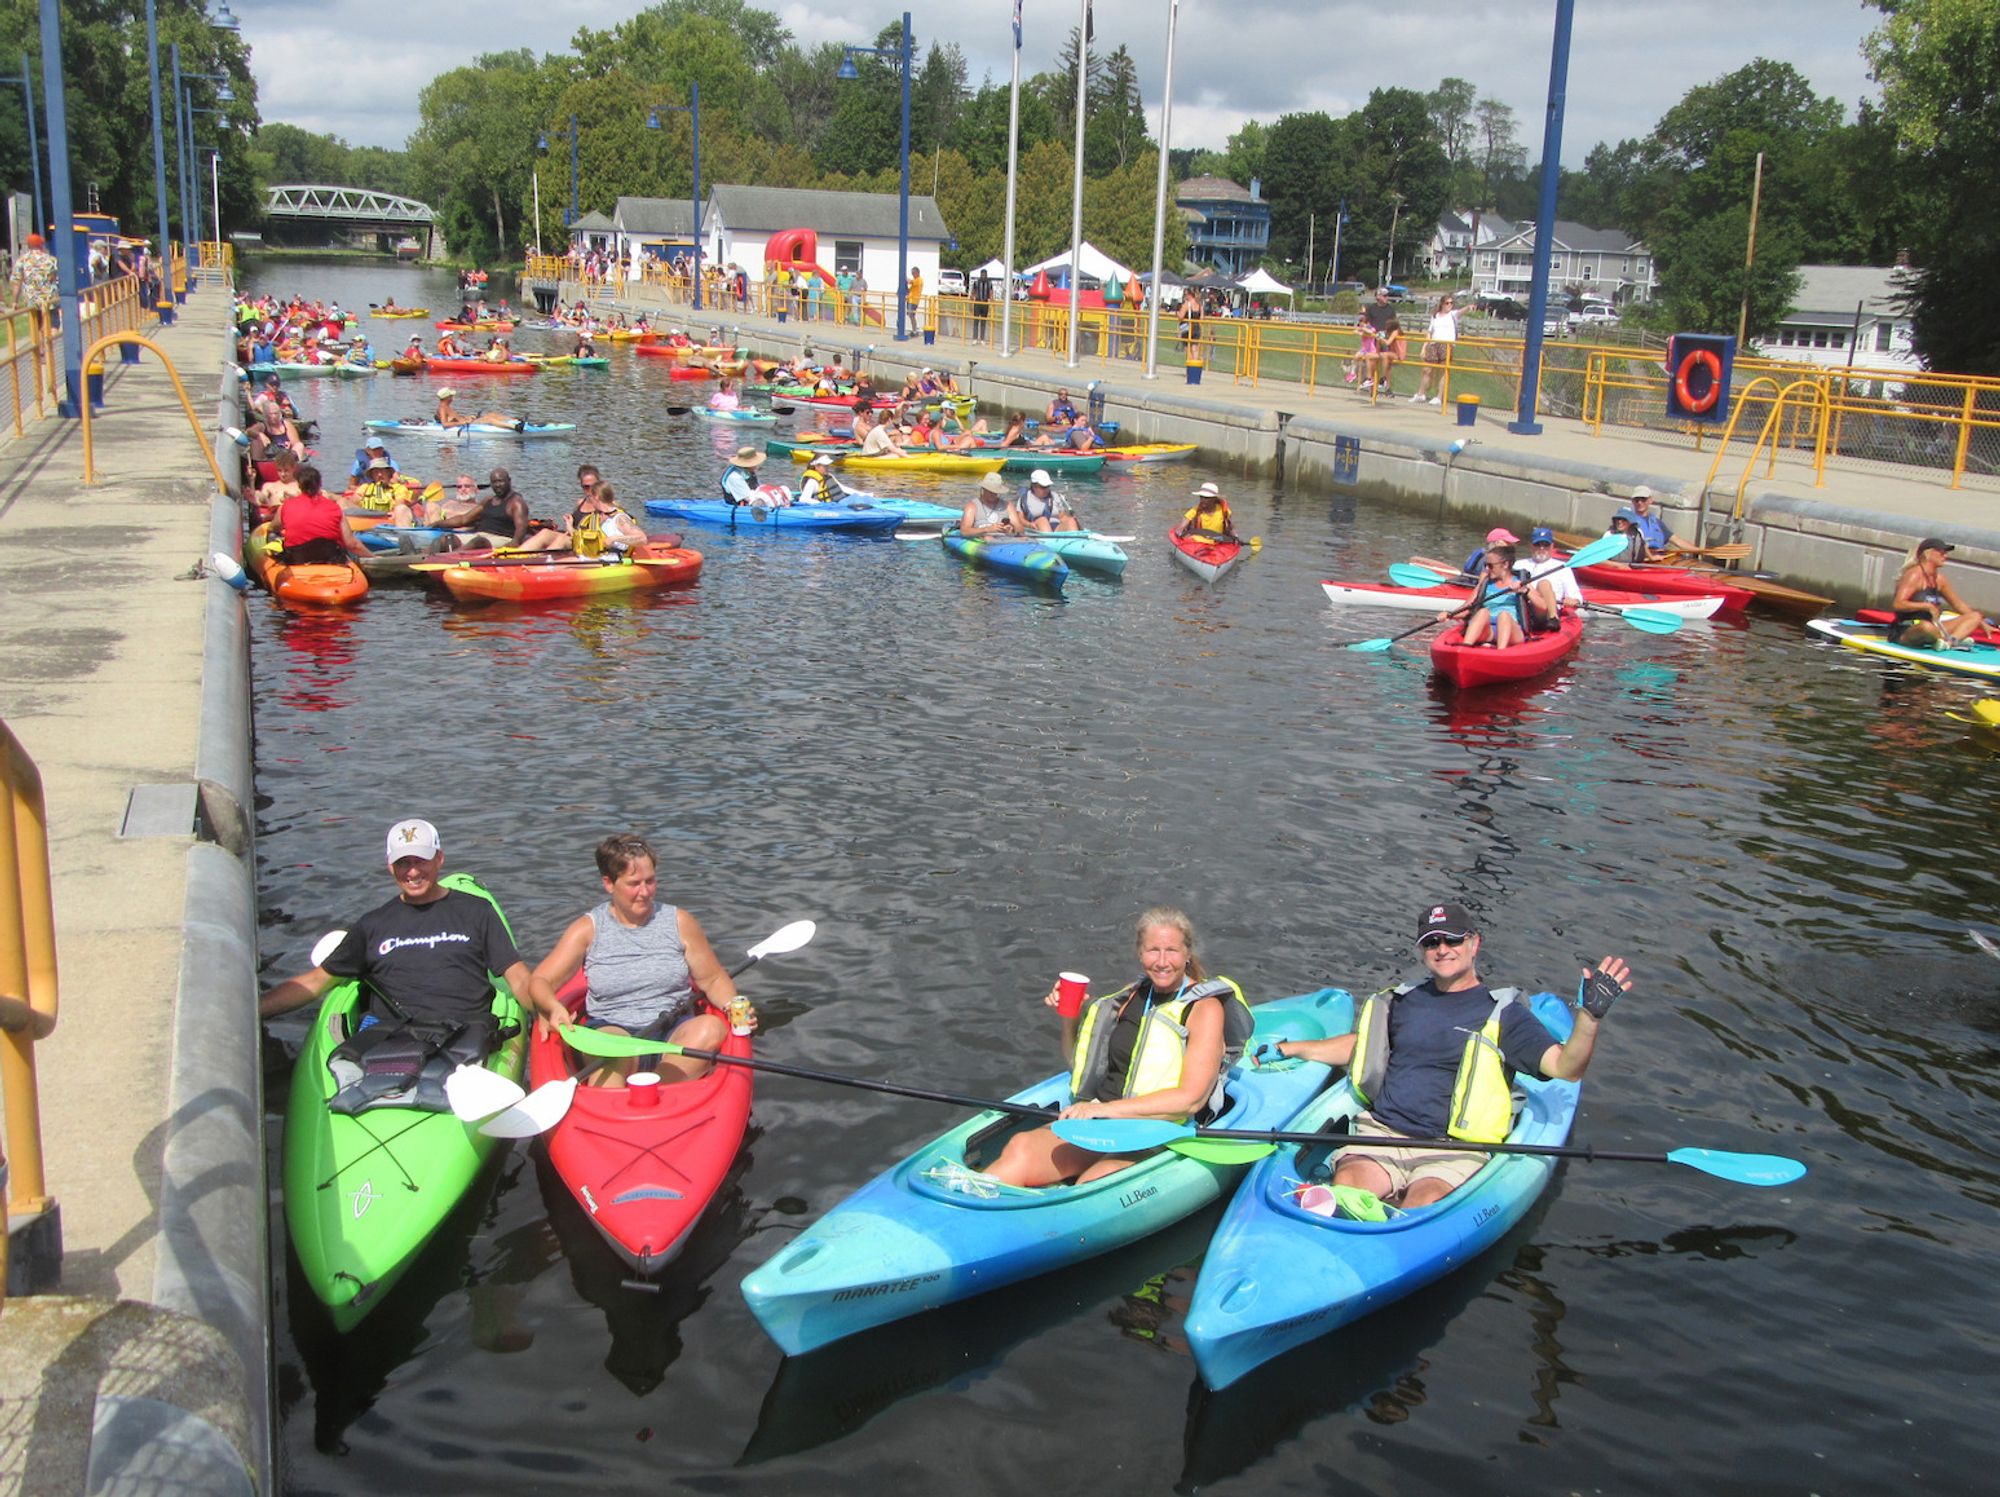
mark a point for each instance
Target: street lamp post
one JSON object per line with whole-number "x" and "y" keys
{"x": 900, "y": 54}
{"x": 693, "y": 111}
{"x": 194, "y": 162}
{"x": 27, "y": 82}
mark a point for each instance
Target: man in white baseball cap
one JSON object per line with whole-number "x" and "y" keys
{"x": 1041, "y": 507}
{"x": 427, "y": 958}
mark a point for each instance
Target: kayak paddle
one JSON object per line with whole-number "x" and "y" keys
{"x": 1602, "y": 549}
{"x": 541, "y": 1109}
{"x": 1129, "y": 1135}
{"x": 1985, "y": 943}
{"x": 1651, "y": 620}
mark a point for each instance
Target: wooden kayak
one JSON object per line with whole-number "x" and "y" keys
{"x": 1678, "y": 582}
{"x": 1772, "y": 594}
{"x": 1483, "y": 665}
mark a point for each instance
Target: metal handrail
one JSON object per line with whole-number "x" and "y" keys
{"x": 28, "y": 988}
{"x": 194, "y": 422}
{"x": 1823, "y": 407}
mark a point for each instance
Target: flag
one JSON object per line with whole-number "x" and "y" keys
{"x": 1017, "y": 25}
{"x": 1090, "y": 21}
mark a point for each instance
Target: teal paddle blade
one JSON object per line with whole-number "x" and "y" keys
{"x": 1651, "y": 622}
{"x": 1744, "y": 1169}
{"x": 1604, "y": 548}
{"x": 1409, "y": 574}
{"x": 1371, "y": 646}
{"x": 1120, "y": 1135}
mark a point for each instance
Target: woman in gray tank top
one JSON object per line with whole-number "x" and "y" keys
{"x": 643, "y": 961}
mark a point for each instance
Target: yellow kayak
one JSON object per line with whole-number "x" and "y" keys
{"x": 917, "y": 462}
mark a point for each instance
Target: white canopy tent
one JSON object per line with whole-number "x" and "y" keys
{"x": 1261, "y": 282}
{"x": 1094, "y": 261}
{"x": 992, "y": 267}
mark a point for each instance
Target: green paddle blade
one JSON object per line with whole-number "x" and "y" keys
{"x": 587, "y": 1041}
{"x": 1651, "y": 622}
{"x": 1744, "y": 1169}
{"x": 1409, "y": 574}
{"x": 1222, "y": 1150}
{"x": 1120, "y": 1135}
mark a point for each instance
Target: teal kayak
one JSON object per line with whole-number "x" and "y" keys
{"x": 1083, "y": 549}
{"x": 933, "y": 1229}
{"x": 1277, "y": 1275}
{"x": 1029, "y": 561}
{"x": 1027, "y": 459}
{"x": 460, "y": 429}
{"x": 741, "y": 416}
{"x": 364, "y": 1193}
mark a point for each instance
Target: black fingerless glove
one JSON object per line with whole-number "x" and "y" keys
{"x": 1596, "y": 993}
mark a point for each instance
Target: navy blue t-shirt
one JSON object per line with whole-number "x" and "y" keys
{"x": 433, "y": 959}
{"x": 1427, "y": 1034}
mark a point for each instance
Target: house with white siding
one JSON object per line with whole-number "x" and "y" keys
{"x": 1845, "y": 315}
{"x": 1605, "y": 264}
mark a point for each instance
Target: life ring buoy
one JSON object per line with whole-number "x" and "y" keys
{"x": 1705, "y": 359}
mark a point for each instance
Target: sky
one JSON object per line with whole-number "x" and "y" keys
{"x": 1631, "y": 60}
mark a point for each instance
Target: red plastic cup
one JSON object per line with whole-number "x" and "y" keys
{"x": 642, "y": 1089}
{"x": 1071, "y": 989}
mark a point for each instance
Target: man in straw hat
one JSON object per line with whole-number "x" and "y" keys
{"x": 989, "y": 512}
{"x": 739, "y": 479}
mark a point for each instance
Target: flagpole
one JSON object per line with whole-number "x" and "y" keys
{"x": 1013, "y": 154}
{"x": 1076, "y": 197}
{"x": 1160, "y": 198}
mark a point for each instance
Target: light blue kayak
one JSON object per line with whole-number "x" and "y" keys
{"x": 800, "y": 519}
{"x": 1277, "y": 1275}
{"x": 1028, "y": 561}
{"x": 462, "y": 429}
{"x": 931, "y": 1230}
{"x": 1082, "y": 549}
{"x": 738, "y": 417}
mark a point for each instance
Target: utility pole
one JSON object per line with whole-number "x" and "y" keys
{"x": 1750, "y": 251}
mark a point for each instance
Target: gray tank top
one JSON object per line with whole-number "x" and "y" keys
{"x": 638, "y": 974}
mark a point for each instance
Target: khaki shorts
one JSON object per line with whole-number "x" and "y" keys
{"x": 1406, "y": 1166}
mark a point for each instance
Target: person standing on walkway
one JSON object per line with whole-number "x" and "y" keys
{"x": 34, "y": 284}
{"x": 982, "y": 304}
{"x": 1437, "y": 350}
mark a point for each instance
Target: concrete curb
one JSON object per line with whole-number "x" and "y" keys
{"x": 214, "y": 1258}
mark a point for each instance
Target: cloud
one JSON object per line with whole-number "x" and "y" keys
{"x": 356, "y": 67}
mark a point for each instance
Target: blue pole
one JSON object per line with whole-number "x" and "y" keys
{"x": 903, "y": 226}
{"x": 572, "y": 170}
{"x": 63, "y": 234}
{"x": 180, "y": 164}
{"x": 1524, "y": 421}
{"x": 194, "y": 178}
{"x": 34, "y": 150}
{"x": 694, "y": 109}
{"x": 159, "y": 156}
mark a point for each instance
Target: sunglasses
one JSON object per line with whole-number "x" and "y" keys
{"x": 1431, "y": 943}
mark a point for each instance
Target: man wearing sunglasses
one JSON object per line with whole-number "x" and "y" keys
{"x": 1434, "y": 1060}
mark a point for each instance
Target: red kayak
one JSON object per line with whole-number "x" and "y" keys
{"x": 644, "y": 1171}
{"x": 480, "y": 366}
{"x": 1208, "y": 560}
{"x": 1483, "y": 665}
{"x": 1676, "y": 582}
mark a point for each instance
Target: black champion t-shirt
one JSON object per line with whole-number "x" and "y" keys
{"x": 433, "y": 959}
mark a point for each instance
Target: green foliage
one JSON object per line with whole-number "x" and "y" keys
{"x": 1241, "y": 161}
{"x": 1939, "y": 65}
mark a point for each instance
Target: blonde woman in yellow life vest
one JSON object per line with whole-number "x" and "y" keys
{"x": 1156, "y": 1049}
{"x": 1435, "y": 1059}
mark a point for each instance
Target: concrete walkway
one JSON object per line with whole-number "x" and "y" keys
{"x": 105, "y": 627}
{"x": 1846, "y": 536}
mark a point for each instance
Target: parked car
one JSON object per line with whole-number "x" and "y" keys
{"x": 950, "y": 282}
{"x": 1593, "y": 314}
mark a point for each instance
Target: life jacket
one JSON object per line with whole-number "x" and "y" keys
{"x": 586, "y": 533}
{"x": 1160, "y": 1050}
{"x": 1482, "y": 1099}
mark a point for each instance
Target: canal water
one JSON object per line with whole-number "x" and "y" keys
{"x": 971, "y": 786}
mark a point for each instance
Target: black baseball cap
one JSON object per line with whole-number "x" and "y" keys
{"x": 1446, "y": 920}
{"x": 1932, "y": 543}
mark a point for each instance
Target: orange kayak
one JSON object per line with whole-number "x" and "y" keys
{"x": 313, "y": 583}
{"x": 560, "y": 575}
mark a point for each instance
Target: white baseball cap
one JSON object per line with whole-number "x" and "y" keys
{"x": 1208, "y": 491}
{"x": 1040, "y": 478}
{"x": 413, "y": 838}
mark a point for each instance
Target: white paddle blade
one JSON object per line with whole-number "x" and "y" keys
{"x": 791, "y": 938}
{"x": 475, "y": 1092}
{"x": 535, "y": 1113}
{"x": 325, "y": 946}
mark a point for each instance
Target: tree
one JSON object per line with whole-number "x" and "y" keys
{"x": 1059, "y": 85}
{"x": 1241, "y": 161}
{"x": 474, "y": 150}
{"x": 1452, "y": 119}
{"x": 1116, "y": 131}
{"x": 1939, "y": 65}
{"x": 1299, "y": 153}
{"x": 1497, "y": 149}
{"x": 937, "y": 93}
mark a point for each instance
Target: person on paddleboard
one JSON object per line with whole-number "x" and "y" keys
{"x": 1158, "y": 1048}
{"x": 649, "y": 968}
{"x": 1923, "y": 597}
{"x": 1434, "y": 1060}
{"x": 427, "y": 957}
{"x": 1210, "y": 518}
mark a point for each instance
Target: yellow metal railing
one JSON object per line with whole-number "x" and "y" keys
{"x": 33, "y": 354}
{"x": 27, "y": 979}
{"x": 194, "y": 422}
{"x": 215, "y": 254}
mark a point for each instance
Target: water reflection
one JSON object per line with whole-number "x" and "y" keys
{"x": 319, "y": 670}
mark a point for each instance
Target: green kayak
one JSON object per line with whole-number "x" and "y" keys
{"x": 363, "y": 1194}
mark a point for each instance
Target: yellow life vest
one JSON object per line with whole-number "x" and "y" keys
{"x": 1159, "y": 1052}
{"x": 586, "y": 535}
{"x": 380, "y": 496}
{"x": 1482, "y": 1099}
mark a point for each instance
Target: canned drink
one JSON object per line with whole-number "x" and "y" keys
{"x": 740, "y": 1014}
